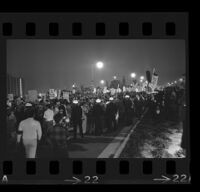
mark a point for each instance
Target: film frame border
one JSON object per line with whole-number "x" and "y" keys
{"x": 94, "y": 26}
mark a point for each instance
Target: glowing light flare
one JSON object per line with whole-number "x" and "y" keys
{"x": 142, "y": 78}
{"x": 99, "y": 64}
{"x": 102, "y": 81}
{"x": 133, "y": 75}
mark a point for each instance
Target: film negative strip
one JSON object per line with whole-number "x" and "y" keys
{"x": 60, "y": 69}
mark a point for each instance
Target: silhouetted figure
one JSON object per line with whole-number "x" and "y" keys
{"x": 76, "y": 117}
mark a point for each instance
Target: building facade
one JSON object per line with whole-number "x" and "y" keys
{"x": 15, "y": 85}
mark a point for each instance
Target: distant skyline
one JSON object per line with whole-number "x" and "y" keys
{"x": 58, "y": 64}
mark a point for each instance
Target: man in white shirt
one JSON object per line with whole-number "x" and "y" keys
{"x": 31, "y": 133}
{"x": 48, "y": 120}
{"x": 49, "y": 114}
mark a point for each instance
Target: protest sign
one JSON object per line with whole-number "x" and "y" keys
{"x": 154, "y": 80}
{"x": 66, "y": 95}
{"x": 59, "y": 94}
{"x": 51, "y": 93}
{"x": 32, "y": 95}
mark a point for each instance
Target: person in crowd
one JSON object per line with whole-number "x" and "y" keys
{"x": 31, "y": 132}
{"x": 39, "y": 114}
{"x": 63, "y": 107}
{"x": 48, "y": 120}
{"x": 57, "y": 137}
{"x": 84, "y": 117}
{"x": 98, "y": 113}
{"x": 128, "y": 110}
{"x": 11, "y": 128}
{"x": 111, "y": 112}
{"x": 90, "y": 119}
{"x": 138, "y": 106}
{"x": 76, "y": 118}
{"x": 19, "y": 114}
{"x": 56, "y": 108}
{"x": 68, "y": 109}
{"x": 121, "y": 110}
{"x": 59, "y": 116}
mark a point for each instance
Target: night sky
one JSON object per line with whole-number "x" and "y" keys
{"x": 58, "y": 64}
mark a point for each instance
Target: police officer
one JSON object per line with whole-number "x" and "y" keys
{"x": 128, "y": 110}
{"x": 76, "y": 117}
{"x": 98, "y": 114}
{"x": 111, "y": 112}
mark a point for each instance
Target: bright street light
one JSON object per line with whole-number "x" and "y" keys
{"x": 180, "y": 79}
{"x": 142, "y": 77}
{"x": 99, "y": 65}
{"x": 133, "y": 75}
{"x": 102, "y": 81}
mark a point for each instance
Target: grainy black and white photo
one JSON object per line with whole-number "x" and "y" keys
{"x": 96, "y": 98}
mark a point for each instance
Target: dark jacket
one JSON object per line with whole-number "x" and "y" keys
{"x": 76, "y": 114}
{"x": 58, "y": 117}
{"x": 98, "y": 110}
{"x": 111, "y": 109}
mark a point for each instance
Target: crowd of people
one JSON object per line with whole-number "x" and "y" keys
{"x": 54, "y": 122}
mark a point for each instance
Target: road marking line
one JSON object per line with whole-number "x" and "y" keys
{"x": 123, "y": 144}
{"x": 112, "y": 146}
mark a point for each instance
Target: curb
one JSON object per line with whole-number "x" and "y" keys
{"x": 123, "y": 144}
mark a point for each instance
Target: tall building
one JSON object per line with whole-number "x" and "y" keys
{"x": 15, "y": 85}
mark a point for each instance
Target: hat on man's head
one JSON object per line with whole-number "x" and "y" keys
{"x": 111, "y": 98}
{"x": 28, "y": 105}
{"x": 98, "y": 100}
{"x": 75, "y": 101}
{"x": 127, "y": 96}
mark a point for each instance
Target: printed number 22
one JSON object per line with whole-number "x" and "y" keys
{"x": 93, "y": 179}
{"x": 180, "y": 178}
